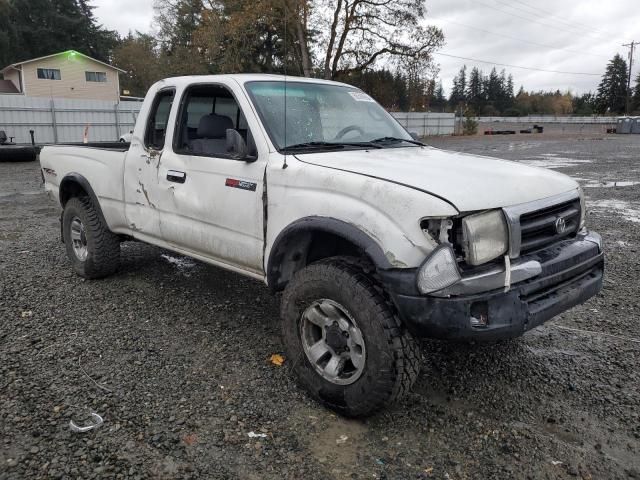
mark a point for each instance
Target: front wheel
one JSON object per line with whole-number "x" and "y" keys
{"x": 345, "y": 343}
{"x": 93, "y": 249}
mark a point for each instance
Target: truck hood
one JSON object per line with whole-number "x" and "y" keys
{"x": 469, "y": 182}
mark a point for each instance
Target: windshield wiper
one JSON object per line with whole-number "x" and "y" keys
{"x": 328, "y": 145}
{"x": 396, "y": 139}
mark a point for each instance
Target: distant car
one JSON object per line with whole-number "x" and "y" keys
{"x": 126, "y": 138}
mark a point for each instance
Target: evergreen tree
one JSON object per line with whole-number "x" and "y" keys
{"x": 493, "y": 93}
{"x": 612, "y": 92}
{"x": 475, "y": 97}
{"x": 35, "y": 28}
{"x": 636, "y": 96}
{"x": 438, "y": 102}
{"x": 585, "y": 104}
{"x": 458, "y": 92}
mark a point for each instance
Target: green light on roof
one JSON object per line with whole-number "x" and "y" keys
{"x": 71, "y": 53}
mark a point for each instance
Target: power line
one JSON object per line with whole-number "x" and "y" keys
{"x": 582, "y": 25}
{"x": 520, "y": 39}
{"x": 516, "y": 66}
{"x": 554, "y": 27}
{"x": 537, "y": 14}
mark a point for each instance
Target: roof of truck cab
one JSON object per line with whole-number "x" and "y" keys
{"x": 243, "y": 78}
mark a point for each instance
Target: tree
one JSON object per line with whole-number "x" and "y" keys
{"x": 612, "y": 91}
{"x": 636, "y": 96}
{"x": 35, "y": 28}
{"x": 585, "y": 104}
{"x": 470, "y": 126}
{"x": 475, "y": 92}
{"x": 438, "y": 101}
{"x": 139, "y": 56}
{"x": 458, "y": 92}
{"x": 8, "y": 34}
{"x": 362, "y": 33}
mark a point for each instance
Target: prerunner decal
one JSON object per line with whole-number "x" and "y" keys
{"x": 241, "y": 184}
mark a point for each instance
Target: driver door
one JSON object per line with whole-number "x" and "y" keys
{"x": 212, "y": 205}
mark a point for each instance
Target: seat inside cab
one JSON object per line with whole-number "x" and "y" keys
{"x": 207, "y": 112}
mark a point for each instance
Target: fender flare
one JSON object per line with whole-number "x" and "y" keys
{"x": 331, "y": 225}
{"x": 74, "y": 177}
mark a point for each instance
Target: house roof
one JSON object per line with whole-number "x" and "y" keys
{"x": 69, "y": 53}
{"x": 7, "y": 86}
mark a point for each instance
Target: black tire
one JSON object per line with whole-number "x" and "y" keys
{"x": 393, "y": 356}
{"x": 102, "y": 246}
{"x": 16, "y": 153}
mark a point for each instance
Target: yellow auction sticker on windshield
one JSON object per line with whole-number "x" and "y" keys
{"x": 361, "y": 97}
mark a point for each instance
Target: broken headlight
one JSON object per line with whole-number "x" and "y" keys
{"x": 486, "y": 236}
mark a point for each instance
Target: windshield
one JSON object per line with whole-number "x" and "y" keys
{"x": 323, "y": 116}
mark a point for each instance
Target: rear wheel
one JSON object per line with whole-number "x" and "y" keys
{"x": 344, "y": 340}
{"x": 94, "y": 251}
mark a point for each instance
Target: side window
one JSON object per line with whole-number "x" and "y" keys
{"x": 158, "y": 120}
{"x": 207, "y": 112}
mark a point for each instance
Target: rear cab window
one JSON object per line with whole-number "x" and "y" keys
{"x": 158, "y": 121}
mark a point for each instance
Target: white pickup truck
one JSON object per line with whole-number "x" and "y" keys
{"x": 310, "y": 186}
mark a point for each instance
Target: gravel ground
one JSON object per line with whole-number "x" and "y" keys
{"x": 174, "y": 354}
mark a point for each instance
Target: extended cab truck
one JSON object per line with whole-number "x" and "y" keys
{"x": 310, "y": 186}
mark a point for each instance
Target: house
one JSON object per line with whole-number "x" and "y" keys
{"x": 67, "y": 74}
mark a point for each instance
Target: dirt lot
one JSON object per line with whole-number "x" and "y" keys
{"x": 174, "y": 355}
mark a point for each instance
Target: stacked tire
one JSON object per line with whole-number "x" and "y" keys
{"x": 17, "y": 153}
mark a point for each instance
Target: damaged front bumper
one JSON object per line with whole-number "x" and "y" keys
{"x": 479, "y": 307}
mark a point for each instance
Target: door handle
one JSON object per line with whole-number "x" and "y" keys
{"x": 176, "y": 176}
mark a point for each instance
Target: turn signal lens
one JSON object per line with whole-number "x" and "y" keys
{"x": 439, "y": 271}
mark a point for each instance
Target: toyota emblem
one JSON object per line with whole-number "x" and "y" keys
{"x": 561, "y": 225}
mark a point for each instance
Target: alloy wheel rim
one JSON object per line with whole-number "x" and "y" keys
{"x": 333, "y": 342}
{"x": 79, "y": 239}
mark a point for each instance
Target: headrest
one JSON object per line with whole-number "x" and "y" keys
{"x": 214, "y": 126}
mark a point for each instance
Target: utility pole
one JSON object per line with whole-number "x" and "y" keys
{"x": 631, "y": 46}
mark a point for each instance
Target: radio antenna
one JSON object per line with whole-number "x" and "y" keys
{"x": 286, "y": 21}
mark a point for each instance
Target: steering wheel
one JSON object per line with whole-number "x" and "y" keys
{"x": 350, "y": 128}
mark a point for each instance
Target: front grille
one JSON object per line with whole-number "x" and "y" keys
{"x": 538, "y": 229}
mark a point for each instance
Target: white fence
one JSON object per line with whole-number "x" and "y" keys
{"x": 427, "y": 123}
{"x": 550, "y": 119}
{"x": 63, "y": 121}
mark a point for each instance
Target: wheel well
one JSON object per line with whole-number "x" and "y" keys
{"x": 301, "y": 248}
{"x": 70, "y": 189}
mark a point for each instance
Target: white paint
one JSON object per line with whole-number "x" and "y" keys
{"x": 619, "y": 207}
{"x": 470, "y": 182}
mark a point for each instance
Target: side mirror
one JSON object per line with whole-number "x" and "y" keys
{"x": 414, "y": 135}
{"x": 237, "y": 147}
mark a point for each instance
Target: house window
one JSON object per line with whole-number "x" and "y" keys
{"x": 49, "y": 74}
{"x": 96, "y": 76}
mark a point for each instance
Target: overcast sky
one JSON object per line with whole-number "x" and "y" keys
{"x": 571, "y": 36}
